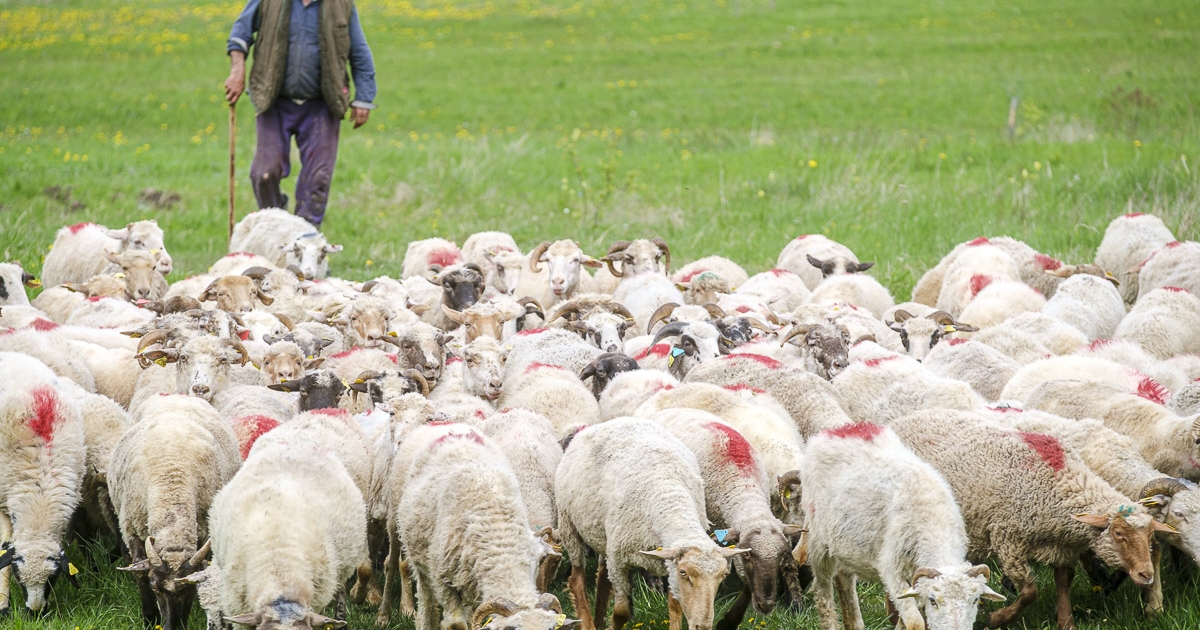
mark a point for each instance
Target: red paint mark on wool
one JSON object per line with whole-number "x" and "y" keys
{"x": 881, "y": 360}
{"x": 479, "y": 414}
{"x": 663, "y": 387}
{"x": 444, "y": 257}
{"x": 691, "y": 275}
{"x": 865, "y": 431}
{"x": 347, "y": 353}
{"x": 453, "y": 360}
{"x": 331, "y": 412}
{"x": 978, "y": 283}
{"x": 440, "y": 423}
{"x": 43, "y": 325}
{"x": 239, "y": 255}
{"x": 982, "y": 240}
{"x": 75, "y": 229}
{"x": 743, "y": 309}
{"x": 244, "y": 335}
{"x": 801, "y": 237}
{"x": 658, "y": 350}
{"x": 956, "y": 341}
{"x": 1099, "y": 343}
{"x": 764, "y": 360}
{"x": 532, "y": 331}
{"x": 1006, "y": 409}
{"x": 737, "y": 450}
{"x": 393, "y": 359}
{"x": 1047, "y": 447}
{"x": 256, "y": 427}
{"x": 94, "y": 298}
{"x": 1153, "y": 391}
{"x": 537, "y": 365}
{"x": 1047, "y": 263}
{"x": 1173, "y": 244}
{"x": 1133, "y": 215}
{"x": 45, "y": 411}
{"x": 742, "y": 387}
{"x": 469, "y": 435}
{"x": 1175, "y": 289}
{"x": 778, "y": 272}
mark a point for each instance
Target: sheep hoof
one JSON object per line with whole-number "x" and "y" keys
{"x": 375, "y": 595}
{"x": 382, "y": 620}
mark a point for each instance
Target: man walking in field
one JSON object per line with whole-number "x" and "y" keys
{"x": 299, "y": 87}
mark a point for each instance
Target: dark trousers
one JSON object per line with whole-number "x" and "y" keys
{"x": 316, "y": 133}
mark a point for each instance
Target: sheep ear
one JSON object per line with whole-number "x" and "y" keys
{"x": 198, "y": 577}
{"x": 1164, "y": 528}
{"x": 286, "y": 386}
{"x": 120, "y": 234}
{"x": 252, "y": 619}
{"x": 324, "y": 623}
{"x": 314, "y": 364}
{"x": 6, "y": 556}
{"x": 1095, "y": 520}
{"x": 141, "y": 566}
{"x": 665, "y": 554}
{"x": 453, "y": 315}
{"x": 588, "y": 261}
{"x": 910, "y": 593}
{"x": 989, "y": 594}
{"x": 793, "y": 530}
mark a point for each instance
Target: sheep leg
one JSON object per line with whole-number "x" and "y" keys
{"x": 674, "y": 612}
{"x": 384, "y": 617}
{"x": 5, "y": 536}
{"x": 603, "y": 590}
{"x": 577, "y": 585}
{"x": 339, "y": 611}
{"x": 823, "y": 595}
{"x": 1062, "y": 608}
{"x": 794, "y": 579}
{"x": 427, "y": 610}
{"x": 1019, "y": 574}
{"x": 622, "y": 607}
{"x": 406, "y": 593}
{"x": 733, "y": 617}
{"x": 364, "y": 576}
{"x": 848, "y": 598}
{"x": 1153, "y": 594}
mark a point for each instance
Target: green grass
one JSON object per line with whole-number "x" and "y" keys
{"x": 724, "y": 126}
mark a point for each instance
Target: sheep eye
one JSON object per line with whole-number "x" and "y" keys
{"x": 933, "y": 602}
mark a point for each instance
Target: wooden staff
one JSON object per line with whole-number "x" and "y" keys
{"x": 232, "y": 163}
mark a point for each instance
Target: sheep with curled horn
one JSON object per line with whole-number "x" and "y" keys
{"x": 920, "y": 334}
{"x": 598, "y": 318}
{"x": 638, "y": 256}
{"x": 824, "y": 347}
{"x": 698, "y": 342}
{"x": 555, "y": 273}
{"x": 605, "y": 368}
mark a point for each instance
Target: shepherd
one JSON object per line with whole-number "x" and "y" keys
{"x": 300, "y": 88}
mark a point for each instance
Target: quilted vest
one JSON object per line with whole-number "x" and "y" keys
{"x": 271, "y": 48}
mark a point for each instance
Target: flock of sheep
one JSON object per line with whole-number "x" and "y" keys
{"x": 266, "y": 439}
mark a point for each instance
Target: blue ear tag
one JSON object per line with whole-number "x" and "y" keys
{"x": 676, "y": 352}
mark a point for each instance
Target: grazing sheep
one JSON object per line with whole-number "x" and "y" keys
{"x": 79, "y": 250}
{"x": 781, "y": 289}
{"x": 1165, "y": 322}
{"x": 729, "y": 271}
{"x": 604, "y": 369}
{"x": 984, "y": 368}
{"x": 42, "y": 458}
{"x": 876, "y": 511}
{"x": 234, "y": 294}
{"x": 831, "y": 257}
{"x": 706, "y": 288}
{"x": 1081, "y": 368}
{"x": 969, "y": 273}
{"x": 466, "y": 533}
{"x": 650, "y": 516}
{"x": 548, "y": 346}
{"x": 642, "y": 295}
{"x": 1177, "y": 264}
{"x": 824, "y": 347}
{"x": 1091, "y": 304}
{"x": 1000, "y": 301}
{"x": 165, "y": 471}
{"x": 202, "y": 366}
{"x": 13, "y": 279}
{"x": 288, "y": 531}
{"x": 428, "y": 257}
{"x": 1128, "y": 241}
{"x": 628, "y": 390}
{"x": 554, "y": 392}
{"x": 284, "y": 239}
{"x": 861, "y": 291}
{"x": 698, "y": 342}
{"x": 737, "y": 498}
{"x": 1025, "y": 499}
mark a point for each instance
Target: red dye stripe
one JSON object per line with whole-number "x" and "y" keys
{"x": 479, "y": 414}
{"x": 43, "y": 325}
{"x": 1099, "y": 343}
{"x": 801, "y": 237}
{"x": 663, "y": 387}
{"x": 45, "y": 412}
{"x": 877, "y": 362}
{"x": 778, "y": 272}
{"x": 239, "y": 255}
{"x": 737, "y": 450}
{"x": 393, "y": 359}
{"x": 537, "y": 365}
{"x": 1006, "y": 410}
{"x": 956, "y": 341}
{"x": 331, "y": 412}
{"x": 1132, "y": 215}
{"x": 865, "y": 431}
{"x": 244, "y": 335}
{"x": 78, "y": 226}
{"x": 453, "y": 360}
{"x": 255, "y": 427}
{"x": 1173, "y": 244}
{"x": 765, "y": 360}
{"x": 1047, "y": 263}
{"x": 742, "y": 387}
{"x": 1047, "y": 447}
{"x": 978, "y": 283}
{"x": 658, "y": 350}
{"x": 1176, "y": 289}
{"x": 347, "y": 353}
{"x": 743, "y": 309}
{"x": 94, "y": 298}
{"x": 532, "y": 331}
{"x": 444, "y": 257}
{"x": 1153, "y": 391}
{"x": 440, "y": 423}
{"x": 691, "y": 275}
{"x": 469, "y": 435}
{"x": 982, "y": 240}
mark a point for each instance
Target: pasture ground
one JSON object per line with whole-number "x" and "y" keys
{"x": 724, "y": 126}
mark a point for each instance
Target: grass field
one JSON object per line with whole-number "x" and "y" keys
{"x": 724, "y": 126}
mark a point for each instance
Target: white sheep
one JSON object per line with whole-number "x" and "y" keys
{"x": 165, "y": 471}
{"x": 795, "y": 257}
{"x": 288, "y": 531}
{"x": 1173, "y": 375}
{"x": 649, "y": 515}
{"x": 1089, "y": 303}
{"x": 562, "y": 277}
{"x": 497, "y": 254}
{"x": 729, "y": 271}
{"x": 551, "y": 347}
{"x": 783, "y": 290}
{"x": 78, "y": 252}
{"x": 284, "y": 239}
{"x": 1001, "y": 301}
{"x": 859, "y": 290}
{"x": 972, "y": 270}
{"x": 1093, "y": 369}
{"x": 554, "y": 392}
{"x": 985, "y": 368}
{"x": 1176, "y": 264}
{"x": 1128, "y": 241}
{"x": 877, "y": 512}
{"x": 42, "y": 458}
{"x": 428, "y": 257}
{"x": 1165, "y": 322}
{"x": 13, "y": 280}
{"x": 628, "y": 390}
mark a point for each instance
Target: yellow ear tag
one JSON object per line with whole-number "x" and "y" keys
{"x": 488, "y": 620}
{"x": 949, "y": 329}
{"x": 392, "y": 333}
{"x": 119, "y": 275}
{"x": 559, "y": 621}
{"x": 161, "y": 361}
{"x": 3, "y": 552}
{"x": 154, "y": 251}
{"x": 787, "y": 494}
{"x": 309, "y": 357}
{"x": 71, "y": 570}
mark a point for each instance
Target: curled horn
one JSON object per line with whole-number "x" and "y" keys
{"x": 286, "y": 321}
{"x": 714, "y": 311}
{"x": 531, "y": 307}
{"x": 773, "y": 318}
{"x": 547, "y": 601}
{"x": 1064, "y": 271}
{"x": 978, "y": 570}
{"x": 237, "y": 345}
{"x": 901, "y": 316}
{"x": 419, "y": 378}
{"x": 754, "y": 323}
{"x": 474, "y": 267}
{"x": 154, "y": 336}
{"x": 786, "y": 480}
{"x": 670, "y": 330}
{"x": 395, "y": 341}
{"x": 203, "y": 297}
{"x": 112, "y": 257}
{"x": 588, "y": 372}
{"x": 620, "y": 309}
{"x": 535, "y": 256}
{"x": 661, "y": 313}
{"x": 151, "y": 553}
{"x": 569, "y": 309}
{"x": 946, "y": 319}
{"x": 608, "y": 258}
{"x": 797, "y": 330}
{"x": 368, "y": 285}
{"x": 666, "y": 250}
{"x": 924, "y": 572}
{"x": 295, "y": 269}
{"x": 1163, "y": 485}
{"x": 198, "y": 557}
{"x": 256, "y": 273}
{"x": 367, "y": 375}
{"x": 499, "y": 605}
{"x": 618, "y": 246}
